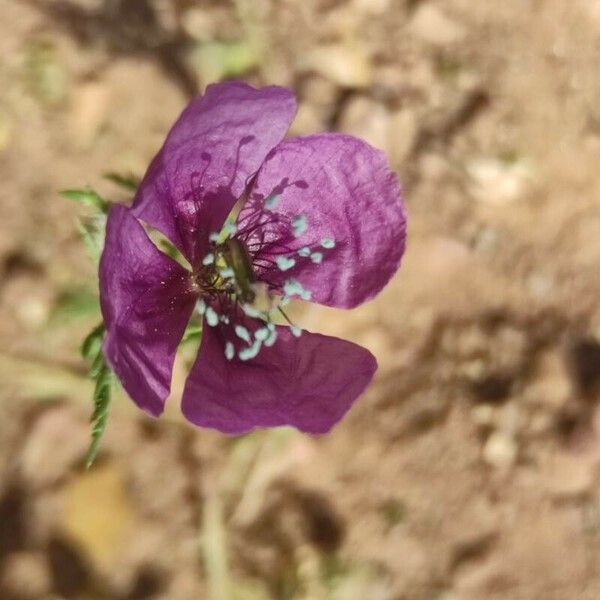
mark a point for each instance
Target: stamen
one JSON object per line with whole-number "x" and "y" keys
{"x": 212, "y": 318}
{"x": 225, "y": 277}
{"x": 229, "y": 229}
{"x": 272, "y": 201}
{"x": 251, "y": 311}
{"x": 272, "y": 337}
{"x": 251, "y": 352}
{"x": 243, "y": 333}
{"x": 292, "y": 287}
{"x": 262, "y": 334}
{"x": 284, "y": 263}
{"x": 300, "y": 225}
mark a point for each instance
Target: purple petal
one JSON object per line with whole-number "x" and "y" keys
{"x": 146, "y": 300}
{"x": 329, "y": 187}
{"x": 308, "y": 382}
{"x": 218, "y": 142}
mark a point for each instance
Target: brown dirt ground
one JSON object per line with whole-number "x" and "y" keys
{"x": 470, "y": 468}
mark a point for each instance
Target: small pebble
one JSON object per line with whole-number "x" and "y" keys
{"x": 500, "y": 450}
{"x": 433, "y": 26}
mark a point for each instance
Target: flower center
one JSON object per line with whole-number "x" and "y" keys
{"x": 228, "y": 269}
{"x": 235, "y": 255}
{"x": 233, "y": 278}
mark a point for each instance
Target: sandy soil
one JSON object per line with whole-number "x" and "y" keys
{"x": 469, "y": 470}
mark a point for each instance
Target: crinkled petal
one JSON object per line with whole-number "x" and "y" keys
{"x": 308, "y": 382}
{"x": 218, "y": 142}
{"x": 346, "y": 192}
{"x": 146, "y": 300}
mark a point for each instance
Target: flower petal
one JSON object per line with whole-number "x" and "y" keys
{"x": 218, "y": 142}
{"x": 332, "y": 190}
{"x": 308, "y": 382}
{"x": 146, "y": 300}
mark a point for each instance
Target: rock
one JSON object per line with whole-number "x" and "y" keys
{"x": 58, "y": 440}
{"x": 592, "y": 8}
{"x": 318, "y": 101}
{"x": 487, "y": 240}
{"x": 308, "y": 120}
{"x": 551, "y": 388}
{"x": 540, "y": 285}
{"x": 479, "y": 579}
{"x": 5, "y": 131}
{"x": 590, "y": 517}
{"x": 447, "y": 595}
{"x": 540, "y": 423}
{"x": 367, "y": 119}
{"x": 25, "y": 576}
{"x": 474, "y": 370}
{"x": 185, "y": 584}
{"x": 495, "y": 182}
{"x": 98, "y": 513}
{"x": 433, "y": 26}
{"x": 320, "y": 92}
{"x": 483, "y": 415}
{"x": 414, "y": 570}
{"x": 423, "y": 411}
{"x": 199, "y": 24}
{"x": 33, "y": 312}
{"x": 88, "y": 112}
{"x": 404, "y": 129}
{"x": 595, "y": 325}
{"x": 500, "y": 450}
{"x": 568, "y": 476}
{"x": 433, "y": 166}
{"x": 510, "y": 418}
{"x": 347, "y": 64}
{"x": 380, "y": 343}
{"x": 28, "y": 298}
{"x": 373, "y": 7}
{"x": 445, "y": 256}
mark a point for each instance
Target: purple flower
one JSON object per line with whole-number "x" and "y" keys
{"x": 322, "y": 219}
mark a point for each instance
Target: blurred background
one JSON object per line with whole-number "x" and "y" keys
{"x": 469, "y": 469}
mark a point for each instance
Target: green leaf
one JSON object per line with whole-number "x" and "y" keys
{"x": 128, "y": 181}
{"x": 91, "y": 228}
{"x": 100, "y": 372}
{"x": 92, "y": 233}
{"x": 97, "y": 366}
{"x": 102, "y": 399}
{"x": 87, "y": 197}
{"x": 92, "y": 344}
